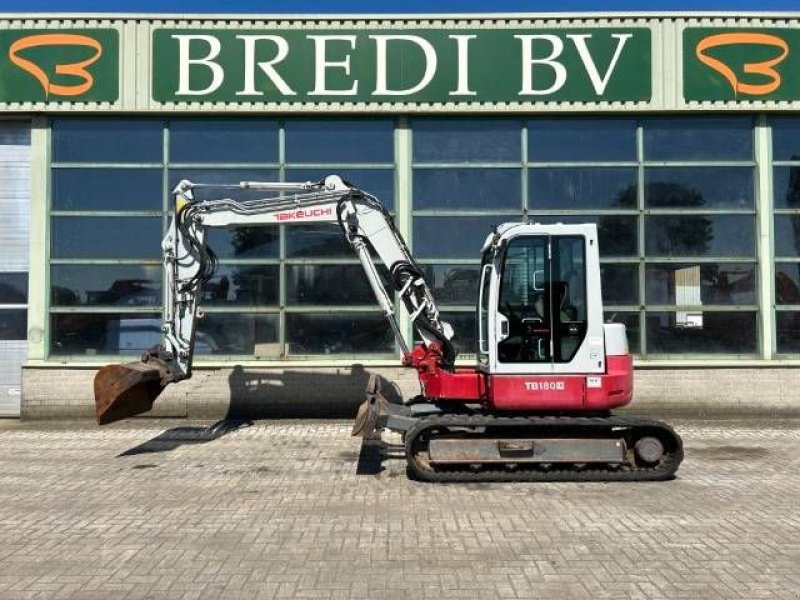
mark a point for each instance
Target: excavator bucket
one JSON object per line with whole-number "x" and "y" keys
{"x": 122, "y": 391}
{"x": 371, "y": 409}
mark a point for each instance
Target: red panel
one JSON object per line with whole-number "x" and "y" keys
{"x": 539, "y": 392}
{"x": 616, "y": 386}
{"x": 461, "y": 384}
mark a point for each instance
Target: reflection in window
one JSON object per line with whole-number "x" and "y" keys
{"x": 222, "y": 333}
{"x": 460, "y": 140}
{"x": 465, "y": 326}
{"x": 706, "y": 138}
{"x": 242, "y": 285}
{"x": 94, "y": 334}
{"x": 13, "y": 324}
{"x": 620, "y": 284}
{"x": 13, "y": 287}
{"x": 108, "y": 237}
{"x": 699, "y": 332}
{"x": 785, "y": 138}
{"x": 690, "y": 285}
{"x": 98, "y": 285}
{"x": 786, "y": 183}
{"x": 339, "y": 141}
{"x": 350, "y": 333}
{"x": 245, "y": 242}
{"x": 700, "y": 235}
{"x": 453, "y": 237}
{"x": 318, "y": 241}
{"x": 453, "y": 284}
{"x": 104, "y": 140}
{"x": 569, "y": 189}
{"x": 787, "y": 235}
{"x": 787, "y": 324}
{"x": 331, "y": 285}
{"x": 223, "y": 141}
{"x": 465, "y": 189}
{"x": 699, "y": 187}
{"x": 572, "y": 140}
{"x": 787, "y": 283}
{"x": 107, "y": 189}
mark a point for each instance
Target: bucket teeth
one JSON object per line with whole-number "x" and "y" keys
{"x": 122, "y": 391}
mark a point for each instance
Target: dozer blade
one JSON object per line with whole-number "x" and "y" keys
{"x": 122, "y": 391}
{"x": 370, "y": 410}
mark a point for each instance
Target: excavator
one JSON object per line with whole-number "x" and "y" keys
{"x": 537, "y": 404}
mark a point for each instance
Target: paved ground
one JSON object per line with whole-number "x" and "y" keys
{"x": 280, "y": 510}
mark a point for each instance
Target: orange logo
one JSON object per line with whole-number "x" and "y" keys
{"x": 77, "y": 69}
{"x": 760, "y": 68}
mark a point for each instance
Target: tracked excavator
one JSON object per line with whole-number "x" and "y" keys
{"x": 537, "y": 404}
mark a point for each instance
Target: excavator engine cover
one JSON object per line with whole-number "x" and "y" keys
{"x": 122, "y": 391}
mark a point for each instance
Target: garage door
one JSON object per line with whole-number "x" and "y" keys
{"x": 15, "y": 144}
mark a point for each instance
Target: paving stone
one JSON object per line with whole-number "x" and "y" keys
{"x": 284, "y": 509}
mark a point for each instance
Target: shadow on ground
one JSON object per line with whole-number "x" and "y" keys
{"x": 179, "y": 436}
{"x": 373, "y": 452}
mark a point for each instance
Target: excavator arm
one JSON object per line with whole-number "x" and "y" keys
{"x": 125, "y": 390}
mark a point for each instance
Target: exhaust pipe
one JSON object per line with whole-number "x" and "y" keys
{"x": 127, "y": 390}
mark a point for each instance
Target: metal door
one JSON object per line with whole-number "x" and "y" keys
{"x": 15, "y": 142}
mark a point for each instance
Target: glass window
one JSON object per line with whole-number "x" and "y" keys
{"x": 465, "y": 327}
{"x": 223, "y": 141}
{"x": 785, "y": 138}
{"x": 617, "y": 236}
{"x": 464, "y": 189}
{"x": 574, "y": 140}
{"x": 238, "y": 334}
{"x": 242, "y": 285}
{"x": 245, "y": 242}
{"x": 107, "y": 189}
{"x": 620, "y": 284}
{"x": 631, "y": 322}
{"x": 339, "y": 141}
{"x": 224, "y": 177}
{"x": 93, "y": 334}
{"x": 13, "y": 324}
{"x": 13, "y": 288}
{"x": 787, "y": 324}
{"x": 106, "y": 237}
{"x": 570, "y": 189}
{"x": 699, "y": 187}
{"x": 103, "y": 140}
{"x": 350, "y": 333}
{"x": 786, "y": 186}
{"x": 453, "y": 237}
{"x": 692, "y": 138}
{"x": 330, "y": 285}
{"x": 319, "y": 241}
{"x": 787, "y": 235}
{"x": 699, "y": 332}
{"x": 453, "y": 284}
{"x": 695, "y": 285}
{"x": 700, "y": 235}
{"x": 462, "y": 140}
{"x": 98, "y": 285}
{"x": 378, "y": 182}
{"x": 787, "y": 283}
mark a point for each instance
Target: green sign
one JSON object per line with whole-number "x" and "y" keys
{"x": 402, "y": 65}
{"x": 63, "y": 65}
{"x": 741, "y": 64}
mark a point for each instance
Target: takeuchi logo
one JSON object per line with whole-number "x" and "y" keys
{"x": 76, "y": 69}
{"x": 765, "y": 67}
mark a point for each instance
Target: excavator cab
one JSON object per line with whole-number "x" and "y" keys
{"x": 535, "y": 312}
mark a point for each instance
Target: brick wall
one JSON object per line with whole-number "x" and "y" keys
{"x": 58, "y": 393}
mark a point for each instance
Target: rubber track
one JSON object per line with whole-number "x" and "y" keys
{"x": 572, "y": 425}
